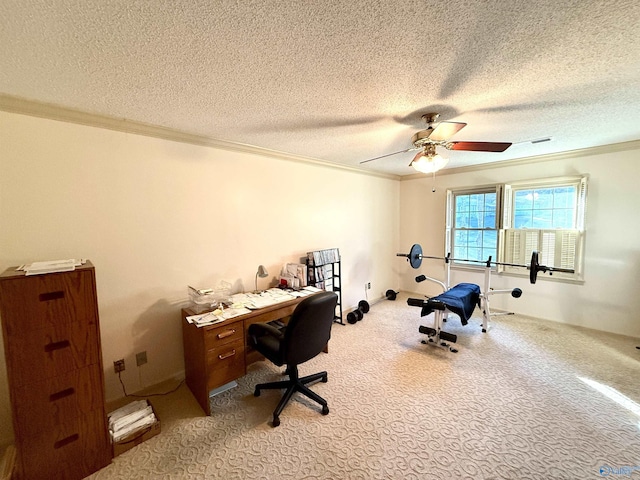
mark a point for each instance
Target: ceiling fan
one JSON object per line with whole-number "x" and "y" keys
{"x": 427, "y": 160}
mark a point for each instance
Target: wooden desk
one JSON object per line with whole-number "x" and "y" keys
{"x": 218, "y": 354}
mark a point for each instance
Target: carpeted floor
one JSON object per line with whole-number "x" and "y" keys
{"x": 530, "y": 399}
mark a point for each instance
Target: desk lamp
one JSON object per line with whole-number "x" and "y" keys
{"x": 262, "y": 273}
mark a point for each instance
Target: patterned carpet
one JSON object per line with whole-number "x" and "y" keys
{"x": 530, "y": 399}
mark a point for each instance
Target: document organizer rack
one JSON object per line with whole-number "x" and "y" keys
{"x": 324, "y": 271}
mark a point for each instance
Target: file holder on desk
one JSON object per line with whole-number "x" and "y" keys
{"x": 209, "y": 298}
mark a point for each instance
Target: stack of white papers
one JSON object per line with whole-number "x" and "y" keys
{"x": 264, "y": 299}
{"x": 243, "y": 303}
{"x": 305, "y": 292}
{"x": 130, "y": 419}
{"x": 51, "y": 266}
{"x": 217, "y": 316}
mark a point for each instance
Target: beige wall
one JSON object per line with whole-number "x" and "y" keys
{"x": 155, "y": 216}
{"x": 608, "y": 300}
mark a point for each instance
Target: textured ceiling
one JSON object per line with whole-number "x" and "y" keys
{"x": 338, "y": 81}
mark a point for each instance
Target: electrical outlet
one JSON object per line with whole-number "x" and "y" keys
{"x": 118, "y": 365}
{"x": 141, "y": 358}
{"x": 368, "y": 285}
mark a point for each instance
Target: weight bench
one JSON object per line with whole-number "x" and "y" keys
{"x": 462, "y": 300}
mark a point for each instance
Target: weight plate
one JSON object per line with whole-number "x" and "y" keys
{"x": 415, "y": 256}
{"x": 533, "y": 268}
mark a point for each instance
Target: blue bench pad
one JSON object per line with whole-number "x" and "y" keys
{"x": 461, "y": 300}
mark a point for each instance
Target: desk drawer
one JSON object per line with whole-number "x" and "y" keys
{"x": 222, "y": 335}
{"x": 225, "y": 363}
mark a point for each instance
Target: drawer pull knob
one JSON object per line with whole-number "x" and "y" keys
{"x": 45, "y": 297}
{"x": 50, "y": 347}
{"x": 61, "y": 394}
{"x": 226, "y": 333}
{"x": 222, "y": 356}
{"x": 66, "y": 441}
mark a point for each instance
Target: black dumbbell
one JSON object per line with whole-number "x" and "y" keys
{"x": 354, "y": 316}
{"x": 391, "y": 295}
{"x": 358, "y": 314}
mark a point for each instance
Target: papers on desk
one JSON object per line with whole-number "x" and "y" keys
{"x": 255, "y": 301}
{"x": 294, "y": 275}
{"x": 305, "y": 292}
{"x": 243, "y": 303}
{"x": 217, "y": 315}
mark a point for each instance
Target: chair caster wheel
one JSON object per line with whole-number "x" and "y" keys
{"x": 276, "y": 421}
{"x": 325, "y": 410}
{"x": 256, "y": 393}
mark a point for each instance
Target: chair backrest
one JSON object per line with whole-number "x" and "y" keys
{"x": 309, "y": 328}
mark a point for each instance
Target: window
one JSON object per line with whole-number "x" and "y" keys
{"x": 548, "y": 217}
{"x": 473, "y": 225}
{"x": 549, "y": 207}
{"x": 509, "y": 222}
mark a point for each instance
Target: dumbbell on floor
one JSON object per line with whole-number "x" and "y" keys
{"x": 358, "y": 314}
{"x": 391, "y": 295}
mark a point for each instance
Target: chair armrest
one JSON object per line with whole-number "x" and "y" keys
{"x": 260, "y": 329}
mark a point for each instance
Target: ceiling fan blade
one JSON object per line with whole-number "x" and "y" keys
{"x": 479, "y": 146}
{"x": 446, "y": 130}
{"x": 389, "y": 154}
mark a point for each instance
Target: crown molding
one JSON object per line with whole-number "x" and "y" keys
{"x": 12, "y": 104}
{"x": 579, "y": 153}
{"x": 49, "y": 111}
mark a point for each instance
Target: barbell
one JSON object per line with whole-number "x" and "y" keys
{"x": 415, "y": 256}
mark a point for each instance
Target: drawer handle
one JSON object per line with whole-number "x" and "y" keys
{"x": 45, "y": 297}
{"x": 66, "y": 441}
{"x": 222, "y": 356}
{"x": 226, "y": 333}
{"x": 50, "y": 347}
{"x": 61, "y": 394}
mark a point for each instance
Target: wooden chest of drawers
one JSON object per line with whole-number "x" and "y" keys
{"x": 51, "y": 339}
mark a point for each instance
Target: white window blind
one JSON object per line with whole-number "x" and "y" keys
{"x": 556, "y": 248}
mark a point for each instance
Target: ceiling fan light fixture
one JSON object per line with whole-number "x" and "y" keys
{"x": 428, "y": 163}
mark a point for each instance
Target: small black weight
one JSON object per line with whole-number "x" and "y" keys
{"x": 363, "y": 306}
{"x": 351, "y": 317}
{"x": 391, "y": 295}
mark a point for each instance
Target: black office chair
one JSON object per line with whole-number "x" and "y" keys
{"x": 304, "y": 337}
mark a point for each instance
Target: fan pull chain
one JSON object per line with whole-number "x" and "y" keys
{"x": 433, "y": 188}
